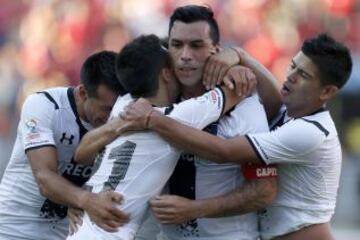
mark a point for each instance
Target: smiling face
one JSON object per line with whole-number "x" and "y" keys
{"x": 302, "y": 92}
{"x": 189, "y": 46}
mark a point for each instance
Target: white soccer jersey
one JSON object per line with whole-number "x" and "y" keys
{"x": 139, "y": 164}
{"x": 48, "y": 119}
{"x": 309, "y": 155}
{"x": 197, "y": 178}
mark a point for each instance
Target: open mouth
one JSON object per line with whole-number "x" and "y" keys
{"x": 285, "y": 90}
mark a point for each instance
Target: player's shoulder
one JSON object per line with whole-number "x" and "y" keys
{"x": 54, "y": 97}
{"x": 121, "y": 102}
{"x": 321, "y": 122}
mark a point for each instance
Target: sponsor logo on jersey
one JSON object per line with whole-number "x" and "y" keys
{"x": 78, "y": 170}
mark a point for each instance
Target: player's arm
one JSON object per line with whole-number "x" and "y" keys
{"x": 95, "y": 140}
{"x": 268, "y": 86}
{"x": 237, "y": 150}
{"x": 219, "y": 65}
{"x": 140, "y": 115}
{"x": 36, "y": 126}
{"x": 100, "y": 207}
{"x": 251, "y": 196}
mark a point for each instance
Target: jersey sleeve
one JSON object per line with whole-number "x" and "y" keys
{"x": 36, "y": 122}
{"x": 288, "y": 143}
{"x": 201, "y": 111}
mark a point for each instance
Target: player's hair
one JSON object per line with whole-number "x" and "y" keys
{"x": 139, "y": 63}
{"x": 195, "y": 13}
{"x": 99, "y": 69}
{"x": 332, "y": 59}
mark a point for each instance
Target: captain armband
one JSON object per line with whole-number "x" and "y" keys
{"x": 258, "y": 171}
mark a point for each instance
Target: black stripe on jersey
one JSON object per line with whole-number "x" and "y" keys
{"x": 41, "y": 146}
{"x": 255, "y": 149}
{"x": 51, "y": 99}
{"x": 71, "y": 97}
{"x": 223, "y": 103}
{"x": 318, "y": 125}
{"x": 168, "y": 110}
{"x": 279, "y": 122}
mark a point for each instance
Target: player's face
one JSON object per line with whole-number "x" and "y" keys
{"x": 302, "y": 89}
{"x": 189, "y": 46}
{"x": 97, "y": 109}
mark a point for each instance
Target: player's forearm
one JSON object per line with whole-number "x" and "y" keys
{"x": 268, "y": 86}
{"x": 60, "y": 190}
{"x": 201, "y": 143}
{"x": 252, "y": 196}
{"x": 93, "y": 142}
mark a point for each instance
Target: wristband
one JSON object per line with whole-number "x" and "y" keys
{"x": 148, "y": 116}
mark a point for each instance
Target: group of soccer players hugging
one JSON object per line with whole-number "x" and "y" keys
{"x": 179, "y": 138}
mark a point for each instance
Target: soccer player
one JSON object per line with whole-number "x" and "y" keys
{"x": 139, "y": 164}
{"x": 41, "y": 177}
{"x": 193, "y": 38}
{"x": 304, "y": 142}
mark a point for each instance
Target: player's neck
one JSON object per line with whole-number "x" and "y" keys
{"x": 192, "y": 91}
{"x": 161, "y": 98}
{"x": 79, "y": 104}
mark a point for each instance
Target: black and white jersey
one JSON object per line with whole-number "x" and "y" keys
{"x": 198, "y": 178}
{"x": 139, "y": 164}
{"x": 48, "y": 118}
{"x": 308, "y": 154}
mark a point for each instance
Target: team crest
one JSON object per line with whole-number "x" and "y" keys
{"x": 31, "y": 124}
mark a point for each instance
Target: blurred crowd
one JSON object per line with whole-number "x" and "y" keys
{"x": 44, "y": 42}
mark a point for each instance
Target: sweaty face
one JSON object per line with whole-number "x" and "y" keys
{"x": 189, "y": 47}
{"x": 302, "y": 89}
{"x": 97, "y": 108}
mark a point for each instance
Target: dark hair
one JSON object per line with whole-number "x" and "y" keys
{"x": 99, "y": 69}
{"x": 139, "y": 63}
{"x": 195, "y": 13}
{"x": 332, "y": 59}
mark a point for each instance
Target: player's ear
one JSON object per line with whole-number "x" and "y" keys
{"x": 82, "y": 92}
{"x": 328, "y": 92}
{"x": 166, "y": 74}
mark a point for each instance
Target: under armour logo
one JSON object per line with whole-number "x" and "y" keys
{"x": 69, "y": 139}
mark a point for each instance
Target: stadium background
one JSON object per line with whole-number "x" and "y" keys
{"x": 44, "y": 42}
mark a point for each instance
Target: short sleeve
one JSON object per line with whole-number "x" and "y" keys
{"x": 36, "y": 122}
{"x": 201, "y": 111}
{"x": 288, "y": 143}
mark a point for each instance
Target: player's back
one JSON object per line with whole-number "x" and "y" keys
{"x": 137, "y": 166}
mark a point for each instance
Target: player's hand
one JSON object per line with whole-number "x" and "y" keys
{"x": 102, "y": 210}
{"x": 171, "y": 209}
{"x": 136, "y": 115}
{"x": 75, "y": 219}
{"x": 241, "y": 79}
{"x": 217, "y": 65}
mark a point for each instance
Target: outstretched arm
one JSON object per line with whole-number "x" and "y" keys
{"x": 203, "y": 144}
